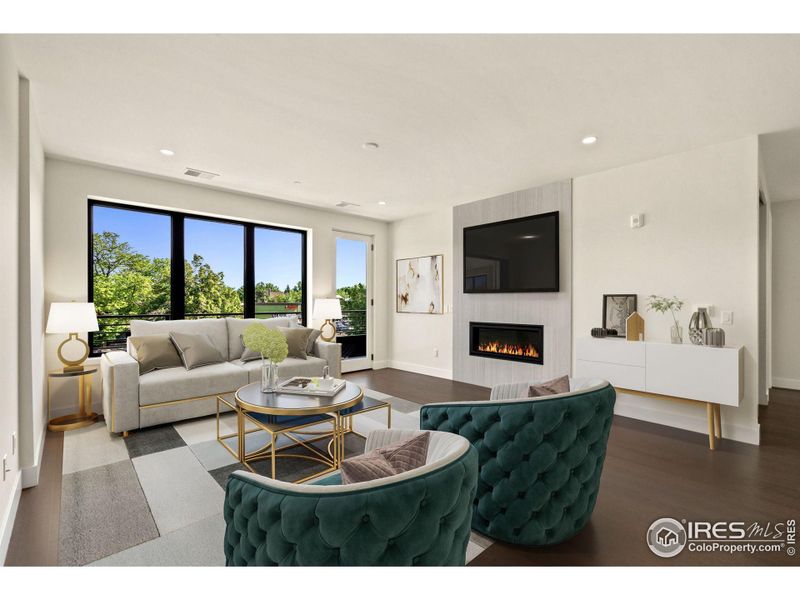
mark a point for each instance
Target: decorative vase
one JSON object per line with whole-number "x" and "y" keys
{"x": 269, "y": 375}
{"x": 697, "y": 325}
{"x": 676, "y": 334}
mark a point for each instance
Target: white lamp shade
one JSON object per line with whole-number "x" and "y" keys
{"x": 327, "y": 308}
{"x": 72, "y": 317}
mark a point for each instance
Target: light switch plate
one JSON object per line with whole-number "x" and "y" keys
{"x": 727, "y": 317}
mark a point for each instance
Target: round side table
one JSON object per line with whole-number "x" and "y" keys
{"x": 84, "y": 417}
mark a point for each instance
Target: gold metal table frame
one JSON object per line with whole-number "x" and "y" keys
{"x": 334, "y": 425}
{"x": 84, "y": 417}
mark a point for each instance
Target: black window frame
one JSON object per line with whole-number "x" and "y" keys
{"x": 177, "y": 257}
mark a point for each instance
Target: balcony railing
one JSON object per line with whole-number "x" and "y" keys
{"x": 353, "y": 322}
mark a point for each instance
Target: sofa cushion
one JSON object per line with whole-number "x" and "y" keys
{"x": 179, "y": 384}
{"x": 296, "y": 340}
{"x": 312, "y": 337}
{"x": 247, "y": 354}
{"x": 366, "y": 467}
{"x": 236, "y": 328}
{"x": 216, "y": 329}
{"x": 560, "y": 385}
{"x": 290, "y": 367}
{"x": 154, "y": 352}
{"x": 196, "y": 350}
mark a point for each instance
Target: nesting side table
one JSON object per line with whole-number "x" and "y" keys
{"x": 84, "y": 417}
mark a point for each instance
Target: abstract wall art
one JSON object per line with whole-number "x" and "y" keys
{"x": 420, "y": 286}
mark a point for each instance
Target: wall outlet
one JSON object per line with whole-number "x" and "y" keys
{"x": 727, "y": 317}
{"x": 637, "y": 221}
{"x": 435, "y": 352}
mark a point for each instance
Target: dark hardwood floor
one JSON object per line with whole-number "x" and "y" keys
{"x": 650, "y": 472}
{"x": 34, "y": 540}
{"x": 417, "y": 388}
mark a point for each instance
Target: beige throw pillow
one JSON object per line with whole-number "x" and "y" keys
{"x": 560, "y": 385}
{"x": 389, "y": 460}
{"x": 247, "y": 354}
{"x": 366, "y": 467}
{"x": 155, "y": 352}
{"x": 297, "y": 340}
{"x": 196, "y": 350}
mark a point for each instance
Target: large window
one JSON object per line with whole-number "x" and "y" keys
{"x": 153, "y": 264}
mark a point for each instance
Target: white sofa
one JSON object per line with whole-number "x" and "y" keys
{"x": 133, "y": 401}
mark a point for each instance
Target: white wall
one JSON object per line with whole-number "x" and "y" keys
{"x": 699, "y": 242}
{"x": 414, "y": 338}
{"x": 9, "y": 275}
{"x": 69, "y": 184}
{"x": 32, "y": 395}
{"x": 786, "y": 294}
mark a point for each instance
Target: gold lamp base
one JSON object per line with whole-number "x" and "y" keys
{"x": 332, "y": 336}
{"x": 73, "y": 365}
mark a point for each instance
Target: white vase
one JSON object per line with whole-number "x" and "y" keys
{"x": 269, "y": 375}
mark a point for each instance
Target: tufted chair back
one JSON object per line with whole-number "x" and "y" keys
{"x": 420, "y": 517}
{"x": 540, "y": 459}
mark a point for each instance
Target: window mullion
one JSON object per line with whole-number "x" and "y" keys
{"x": 177, "y": 274}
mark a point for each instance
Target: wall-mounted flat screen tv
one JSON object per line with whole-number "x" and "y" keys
{"x": 520, "y": 255}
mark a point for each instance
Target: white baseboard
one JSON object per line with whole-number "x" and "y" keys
{"x": 421, "y": 369}
{"x": 30, "y": 475}
{"x": 786, "y": 382}
{"x": 380, "y": 364}
{"x": 632, "y": 407}
{"x": 7, "y": 522}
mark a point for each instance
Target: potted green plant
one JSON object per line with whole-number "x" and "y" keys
{"x": 662, "y": 304}
{"x": 272, "y": 346}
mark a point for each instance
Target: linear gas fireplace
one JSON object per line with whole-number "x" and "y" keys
{"x": 522, "y": 343}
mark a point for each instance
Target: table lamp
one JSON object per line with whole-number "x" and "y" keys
{"x": 70, "y": 318}
{"x": 327, "y": 309}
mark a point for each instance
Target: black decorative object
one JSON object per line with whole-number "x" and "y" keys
{"x": 601, "y": 332}
{"x": 616, "y": 310}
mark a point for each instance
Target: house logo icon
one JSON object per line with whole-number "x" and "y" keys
{"x": 666, "y": 537}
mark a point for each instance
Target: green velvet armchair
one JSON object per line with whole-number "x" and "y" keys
{"x": 421, "y": 517}
{"x": 540, "y": 458}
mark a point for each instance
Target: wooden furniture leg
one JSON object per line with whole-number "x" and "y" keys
{"x": 718, "y": 420}
{"x": 711, "y": 438}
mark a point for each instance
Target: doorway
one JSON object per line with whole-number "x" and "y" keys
{"x": 354, "y": 290}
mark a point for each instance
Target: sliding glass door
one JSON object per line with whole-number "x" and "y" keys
{"x": 353, "y": 282}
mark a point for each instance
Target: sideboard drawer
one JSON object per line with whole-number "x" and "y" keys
{"x": 611, "y": 350}
{"x": 623, "y": 376}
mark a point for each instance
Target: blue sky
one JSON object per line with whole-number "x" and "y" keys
{"x": 351, "y": 262}
{"x": 278, "y": 253}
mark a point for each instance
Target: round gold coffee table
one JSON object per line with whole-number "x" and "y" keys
{"x": 285, "y": 414}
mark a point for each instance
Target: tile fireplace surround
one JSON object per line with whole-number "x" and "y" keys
{"x": 504, "y": 341}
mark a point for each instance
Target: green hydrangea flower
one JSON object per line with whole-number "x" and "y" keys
{"x": 270, "y": 343}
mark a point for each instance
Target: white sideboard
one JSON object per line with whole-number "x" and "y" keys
{"x": 713, "y": 376}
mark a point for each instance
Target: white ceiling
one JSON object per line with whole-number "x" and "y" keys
{"x": 458, "y": 117}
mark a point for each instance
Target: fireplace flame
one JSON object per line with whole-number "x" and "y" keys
{"x": 513, "y": 349}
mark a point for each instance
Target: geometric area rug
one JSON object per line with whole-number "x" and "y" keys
{"x": 155, "y": 498}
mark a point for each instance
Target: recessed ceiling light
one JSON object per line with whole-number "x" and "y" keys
{"x": 589, "y": 140}
{"x": 370, "y": 145}
{"x": 382, "y": 202}
{"x": 167, "y": 152}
